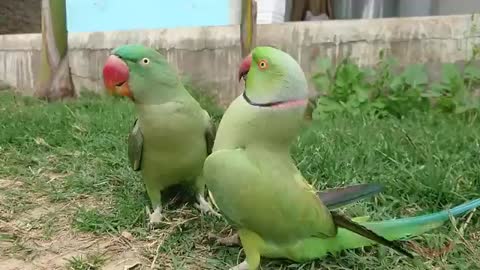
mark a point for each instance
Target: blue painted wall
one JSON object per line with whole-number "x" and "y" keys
{"x": 111, "y": 15}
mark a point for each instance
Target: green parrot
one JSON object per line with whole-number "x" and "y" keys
{"x": 254, "y": 182}
{"x": 172, "y": 135}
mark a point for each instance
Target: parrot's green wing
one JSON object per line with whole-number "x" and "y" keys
{"x": 135, "y": 142}
{"x": 250, "y": 199}
{"x": 135, "y": 146}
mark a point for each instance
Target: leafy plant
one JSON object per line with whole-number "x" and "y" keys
{"x": 457, "y": 92}
{"x": 348, "y": 88}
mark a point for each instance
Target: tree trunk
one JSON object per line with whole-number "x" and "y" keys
{"x": 54, "y": 80}
{"x": 248, "y": 26}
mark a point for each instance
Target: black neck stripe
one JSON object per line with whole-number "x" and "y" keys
{"x": 268, "y": 104}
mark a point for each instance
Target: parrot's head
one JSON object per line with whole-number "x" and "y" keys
{"x": 273, "y": 78}
{"x": 276, "y": 96}
{"x": 140, "y": 73}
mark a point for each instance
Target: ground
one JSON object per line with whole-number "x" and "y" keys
{"x": 68, "y": 200}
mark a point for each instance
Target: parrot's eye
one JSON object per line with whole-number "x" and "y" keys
{"x": 145, "y": 61}
{"x": 263, "y": 64}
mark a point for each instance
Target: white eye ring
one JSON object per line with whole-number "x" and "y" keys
{"x": 145, "y": 61}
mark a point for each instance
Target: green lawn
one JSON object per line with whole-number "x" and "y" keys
{"x": 68, "y": 198}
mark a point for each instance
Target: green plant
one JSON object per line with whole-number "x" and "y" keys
{"x": 457, "y": 91}
{"x": 381, "y": 91}
{"x": 346, "y": 88}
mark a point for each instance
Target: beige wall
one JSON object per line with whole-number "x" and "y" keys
{"x": 210, "y": 55}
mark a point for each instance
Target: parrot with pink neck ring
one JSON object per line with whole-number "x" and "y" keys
{"x": 257, "y": 187}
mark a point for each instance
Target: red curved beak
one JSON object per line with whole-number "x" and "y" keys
{"x": 244, "y": 67}
{"x": 115, "y": 77}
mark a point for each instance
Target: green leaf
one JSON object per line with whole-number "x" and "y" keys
{"x": 415, "y": 75}
{"x": 378, "y": 104}
{"x": 454, "y": 80}
{"x": 430, "y": 94}
{"x": 328, "y": 105}
{"x": 439, "y": 88}
{"x": 472, "y": 73}
{"x": 461, "y": 109}
{"x": 362, "y": 93}
{"x": 324, "y": 65}
{"x": 450, "y": 72}
{"x": 397, "y": 83}
{"x": 322, "y": 84}
{"x": 352, "y": 72}
{"x": 352, "y": 102}
{"x": 341, "y": 80}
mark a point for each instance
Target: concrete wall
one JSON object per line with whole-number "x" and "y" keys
{"x": 211, "y": 54}
{"x": 19, "y": 59}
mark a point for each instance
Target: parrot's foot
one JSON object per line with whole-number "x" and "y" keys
{"x": 204, "y": 206}
{"x": 242, "y": 266}
{"x": 156, "y": 217}
{"x": 232, "y": 240}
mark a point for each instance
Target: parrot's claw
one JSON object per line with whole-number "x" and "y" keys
{"x": 242, "y": 266}
{"x": 204, "y": 206}
{"x": 156, "y": 217}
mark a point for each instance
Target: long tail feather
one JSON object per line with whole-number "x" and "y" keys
{"x": 413, "y": 226}
{"x": 346, "y": 223}
{"x": 338, "y": 197}
{"x": 391, "y": 230}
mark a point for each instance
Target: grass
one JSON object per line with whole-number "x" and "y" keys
{"x": 65, "y": 188}
{"x": 88, "y": 262}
